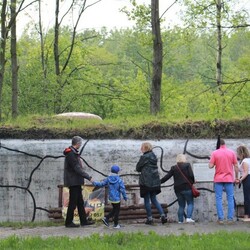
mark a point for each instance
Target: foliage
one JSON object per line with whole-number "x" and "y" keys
{"x": 109, "y": 73}
{"x": 234, "y": 240}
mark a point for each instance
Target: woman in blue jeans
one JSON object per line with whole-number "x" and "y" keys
{"x": 182, "y": 187}
{"x": 244, "y": 156}
{"x": 149, "y": 182}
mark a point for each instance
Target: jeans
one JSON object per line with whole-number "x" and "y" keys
{"x": 184, "y": 197}
{"x": 152, "y": 196}
{"x": 246, "y": 193}
{"x": 229, "y": 189}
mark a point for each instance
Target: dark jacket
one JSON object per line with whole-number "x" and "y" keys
{"x": 149, "y": 179}
{"x": 180, "y": 183}
{"x": 115, "y": 187}
{"x": 73, "y": 172}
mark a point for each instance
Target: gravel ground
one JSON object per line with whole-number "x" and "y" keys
{"x": 166, "y": 229}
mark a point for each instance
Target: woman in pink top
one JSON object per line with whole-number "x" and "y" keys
{"x": 244, "y": 156}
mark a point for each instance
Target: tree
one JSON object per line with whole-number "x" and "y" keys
{"x": 14, "y": 66}
{"x": 217, "y": 14}
{"x": 6, "y": 26}
{"x": 3, "y": 39}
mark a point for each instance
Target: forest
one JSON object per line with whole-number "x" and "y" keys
{"x": 205, "y": 70}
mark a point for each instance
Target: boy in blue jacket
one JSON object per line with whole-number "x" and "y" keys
{"x": 116, "y": 188}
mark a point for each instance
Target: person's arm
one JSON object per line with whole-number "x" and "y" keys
{"x": 76, "y": 166}
{"x": 167, "y": 176}
{"x": 123, "y": 190}
{"x": 100, "y": 184}
{"x": 211, "y": 165}
{"x": 212, "y": 161}
{"x": 191, "y": 173}
{"x": 141, "y": 163}
{"x": 245, "y": 168}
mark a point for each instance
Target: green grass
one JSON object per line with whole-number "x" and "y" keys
{"x": 51, "y": 122}
{"x": 34, "y": 224}
{"x": 137, "y": 241}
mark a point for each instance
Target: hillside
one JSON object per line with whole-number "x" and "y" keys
{"x": 152, "y": 130}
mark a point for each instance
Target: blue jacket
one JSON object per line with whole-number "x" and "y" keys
{"x": 115, "y": 187}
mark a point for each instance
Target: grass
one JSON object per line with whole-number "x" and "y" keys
{"x": 146, "y": 127}
{"x": 130, "y": 241}
{"x": 18, "y": 225}
{"x": 51, "y": 122}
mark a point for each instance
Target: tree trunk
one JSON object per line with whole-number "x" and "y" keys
{"x": 219, "y": 53}
{"x": 14, "y": 66}
{"x": 2, "y": 50}
{"x": 155, "y": 95}
{"x": 43, "y": 59}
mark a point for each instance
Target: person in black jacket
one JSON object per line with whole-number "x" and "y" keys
{"x": 149, "y": 182}
{"x": 74, "y": 176}
{"x": 182, "y": 187}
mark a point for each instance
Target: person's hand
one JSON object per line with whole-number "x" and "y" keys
{"x": 237, "y": 181}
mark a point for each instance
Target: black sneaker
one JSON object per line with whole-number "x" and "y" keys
{"x": 87, "y": 223}
{"x": 149, "y": 222}
{"x": 164, "y": 220}
{"x": 105, "y": 221}
{"x": 72, "y": 225}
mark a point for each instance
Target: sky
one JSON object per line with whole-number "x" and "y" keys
{"x": 105, "y": 13}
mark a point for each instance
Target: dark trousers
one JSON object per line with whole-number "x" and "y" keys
{"x": 75, "y": 200}
{"x": 114, "y": 212}
{"x": 246, "y": 193}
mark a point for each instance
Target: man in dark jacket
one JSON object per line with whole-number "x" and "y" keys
{"x": 74, "y": 179}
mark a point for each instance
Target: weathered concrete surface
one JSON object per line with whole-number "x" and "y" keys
{"x": 46, "y": 163}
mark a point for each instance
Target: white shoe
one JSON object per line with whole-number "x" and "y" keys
{"x": 117, "y": 226}
{"x": 189, "y": 220}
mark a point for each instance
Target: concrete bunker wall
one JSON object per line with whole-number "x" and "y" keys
{"x": 31, "y": 171}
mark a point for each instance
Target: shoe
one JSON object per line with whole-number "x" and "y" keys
{"x": 180, "y": 222}
{"x": 117, "y": 226}
{"x": 164, "y": 220}
{"x": 72, "y": 225}
{"x": 87, "y": 223}
{"x": 105, "y": 221}
{"x": 220, "y": 222}
{"x": 189, "y": 220}
{"x": 149, "y": 222}
{"x": 230, "y": 222}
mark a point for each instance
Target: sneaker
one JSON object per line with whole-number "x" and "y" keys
{"x": 117, "y": 226}
{"x": 180, "y": 222}
{"x": 189, "y": 220}
{"x": 105, "y": 221}
{"x": 149, "y": 222}
{"x": 72, "y": 225}
{"x": 164, "y": 220}
{"x": 220, "y": 222}
{"x": 230, "y": 222}
{"x": 87, "y": 223}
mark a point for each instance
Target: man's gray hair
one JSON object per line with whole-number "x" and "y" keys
{"x": 76, "y": 140}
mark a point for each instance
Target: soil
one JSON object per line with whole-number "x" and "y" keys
{"x": 154, "y": 130}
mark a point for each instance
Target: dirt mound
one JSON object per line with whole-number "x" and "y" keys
{"x": 153, "y": 130}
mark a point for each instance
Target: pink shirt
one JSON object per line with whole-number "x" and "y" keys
{"x": 224, "y": 160}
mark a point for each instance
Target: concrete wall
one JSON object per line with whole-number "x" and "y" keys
{"x": 46, "y": 164}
